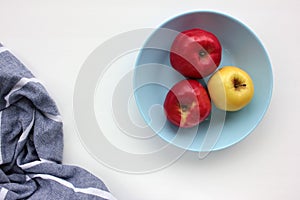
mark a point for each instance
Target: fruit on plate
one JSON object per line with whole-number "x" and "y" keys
{"x": 230, "y": 88}
{"x": 187, "y": 104}
{"x": 195, "y": 53}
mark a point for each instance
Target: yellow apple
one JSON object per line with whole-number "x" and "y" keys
{"x": 230, "y": 88}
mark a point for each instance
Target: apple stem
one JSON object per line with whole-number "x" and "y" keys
{"x": 240, "y": 85}
{"x": 202, "y": 53}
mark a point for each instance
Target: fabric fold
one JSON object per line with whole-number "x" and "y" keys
{"x": 31, "y": 142}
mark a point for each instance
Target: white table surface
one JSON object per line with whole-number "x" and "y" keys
{"x": 54, "y": 38}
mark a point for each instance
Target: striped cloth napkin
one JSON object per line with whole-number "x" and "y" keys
{"x": 31, "y": 142}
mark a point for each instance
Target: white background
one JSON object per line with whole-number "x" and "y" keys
{"x": 53, "y": 38}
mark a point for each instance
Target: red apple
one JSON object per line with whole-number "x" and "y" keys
{"x": 195, "y": 53}
{"x": 187, "y": 104}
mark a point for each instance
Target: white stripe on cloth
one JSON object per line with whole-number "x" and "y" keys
{"x": 90, "y": 191}
{"x": 25, "y": 133}
{"x": 3, "y": 193}
{"x": 56, "y": 118}
{"x": 34, "y": 163}
{"x": 2, "y": 49}
{"x": 21, "y": 83}
{"x": 1, "y": 159}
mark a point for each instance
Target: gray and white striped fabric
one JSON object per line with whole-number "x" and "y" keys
{"x": 31, "y": 142}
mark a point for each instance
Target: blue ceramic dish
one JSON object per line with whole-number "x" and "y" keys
{"x": 154, "y": 76}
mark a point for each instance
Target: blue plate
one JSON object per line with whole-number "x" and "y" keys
{"x": 154, "y": 76}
